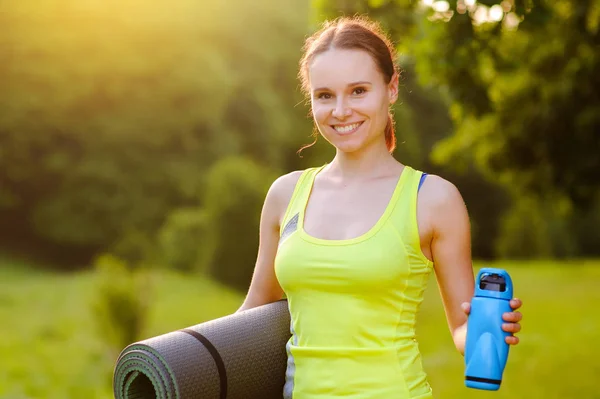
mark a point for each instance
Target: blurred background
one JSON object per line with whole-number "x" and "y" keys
{"x": 138, "y": 140}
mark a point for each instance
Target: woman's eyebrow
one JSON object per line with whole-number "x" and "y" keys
{"x": 364, "y": 82}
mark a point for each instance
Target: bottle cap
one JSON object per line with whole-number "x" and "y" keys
{"x": 494, "y": 283}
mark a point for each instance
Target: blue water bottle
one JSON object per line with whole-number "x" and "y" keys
{"x": 486, "y": 350}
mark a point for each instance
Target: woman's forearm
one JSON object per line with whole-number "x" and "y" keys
{"x": 460, "y": 337}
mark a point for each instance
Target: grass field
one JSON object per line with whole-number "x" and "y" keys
{"x": 50, "y": 346}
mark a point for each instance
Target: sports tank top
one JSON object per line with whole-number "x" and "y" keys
{"x": 353, "y": 302}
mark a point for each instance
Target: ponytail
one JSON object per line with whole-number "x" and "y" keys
{"x": 390, "y": 135}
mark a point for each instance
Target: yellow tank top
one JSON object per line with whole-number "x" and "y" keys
{"x": 353, "y": 303}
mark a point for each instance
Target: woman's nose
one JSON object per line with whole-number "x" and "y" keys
{"x": 341, "y": 110}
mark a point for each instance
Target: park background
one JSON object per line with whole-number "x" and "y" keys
{"x": 138, "y": 140}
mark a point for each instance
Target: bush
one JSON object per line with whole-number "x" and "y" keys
{"x": 134, "y": 246}
{"x": 585, "y": 226}
{"x": 182, "y": 240}
{"x": 235, "y": 193}
{"x": 121, "y": 301}
{"x": 537, "y": 229}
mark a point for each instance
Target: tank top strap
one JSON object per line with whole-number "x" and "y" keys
{"x": 299, "y": 199}
{"x": 404, "y": 216}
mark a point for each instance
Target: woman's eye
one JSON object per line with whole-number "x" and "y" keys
{"x": 324, "y": 96}
{"x": 359, "y": 90}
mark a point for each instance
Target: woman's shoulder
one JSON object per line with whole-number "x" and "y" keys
{"x": 282, "y": 189}
{"x": 284, "y": 185}
{"x": 439, "y": 195}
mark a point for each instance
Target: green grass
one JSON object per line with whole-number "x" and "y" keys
{"x": 51, "y": 347}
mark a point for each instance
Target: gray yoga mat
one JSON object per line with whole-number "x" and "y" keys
{"x": 239, "y": 356}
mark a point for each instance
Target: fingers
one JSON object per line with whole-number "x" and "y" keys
{"x": 466, "y": 307}
{"x": 513, "y": 317}
{"x": 511, "y": 327}
{"x": 512, "y": 340}
{"x": 515, "y": 303}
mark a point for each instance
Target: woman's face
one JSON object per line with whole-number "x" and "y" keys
{"x": 350, "y": 98}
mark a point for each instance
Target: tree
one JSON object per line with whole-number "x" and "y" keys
{"x": 234, "y": 197}
{"x": 525, "y": 92}
{"x": 111, "y": 113}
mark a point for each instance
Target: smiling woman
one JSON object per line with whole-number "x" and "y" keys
{"x": 352, "y": 114}
{"x": 373, "y": 83}
{"x": 352, "y": 243}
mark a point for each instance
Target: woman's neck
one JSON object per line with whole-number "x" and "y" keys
{"x": 373, "y": 160}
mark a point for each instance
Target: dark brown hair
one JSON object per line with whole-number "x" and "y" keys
{"x": 352, "y": 33}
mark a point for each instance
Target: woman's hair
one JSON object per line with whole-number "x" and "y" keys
{"x": 352, "y": 33}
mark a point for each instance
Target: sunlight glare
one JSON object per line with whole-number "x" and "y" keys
{"x": 496, "y": 13}
{"x": 441, "y": 6}
{"x": 481, "y": 15}
{"x": 511, "y": 21}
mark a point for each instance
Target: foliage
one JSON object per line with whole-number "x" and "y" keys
{"x": 182, "y": 240}
{"x": 524, "y": 94}
{"x": 122, "y": 301}
{"x": 235, "y": 193}
{"x": 100, "y": 134}
{"x": 584, "y": 226}
{"x": 112, "y": 112}
{"x": 531, "y": 125}
{"x": 113, "y": 115}
{"x": 536, "y": 230}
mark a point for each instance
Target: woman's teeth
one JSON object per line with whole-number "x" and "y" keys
{"x": 347, "y": 128}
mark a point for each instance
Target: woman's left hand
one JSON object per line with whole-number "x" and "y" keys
{"x": 512, "y": 319}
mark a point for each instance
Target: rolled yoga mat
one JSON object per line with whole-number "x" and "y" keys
{"x": 239, "y": 356}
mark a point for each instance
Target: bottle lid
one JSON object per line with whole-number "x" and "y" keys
{"x": 493, "y": 283}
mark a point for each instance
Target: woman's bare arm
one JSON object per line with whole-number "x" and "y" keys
{"x": 451, "y": 251}
{"x": 264, "y": 287}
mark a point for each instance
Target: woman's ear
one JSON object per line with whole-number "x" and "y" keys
{"x": 393, "y": 88}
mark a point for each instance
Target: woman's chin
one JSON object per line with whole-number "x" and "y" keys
{"x": 350, "y": 143}
{"x": 349, "y": 146}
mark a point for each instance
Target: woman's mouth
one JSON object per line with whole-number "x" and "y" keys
{"x": 347, "y": 129}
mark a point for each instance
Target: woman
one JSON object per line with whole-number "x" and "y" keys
{"x": 352, "y": 244}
